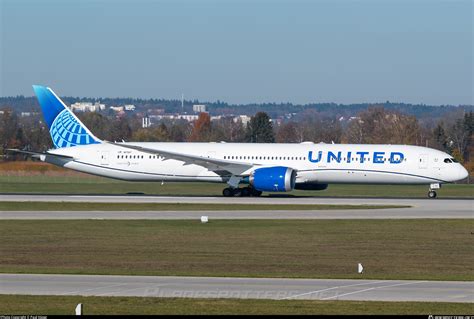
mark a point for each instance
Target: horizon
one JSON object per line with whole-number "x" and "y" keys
{"x": 189, "y": 101}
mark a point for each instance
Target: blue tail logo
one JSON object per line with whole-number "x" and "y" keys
{"x": 65, "y": 128}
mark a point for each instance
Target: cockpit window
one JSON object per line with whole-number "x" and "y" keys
{"x": 447, "y": 160}
{"x": 454, "y": 160}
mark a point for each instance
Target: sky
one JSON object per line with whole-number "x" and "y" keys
{"x": 241, "y": 52}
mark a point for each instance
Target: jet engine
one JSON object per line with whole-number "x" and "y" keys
{"x": 273, "y": 179}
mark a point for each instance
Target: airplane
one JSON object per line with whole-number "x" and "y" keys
{"x": 262, "y": 167}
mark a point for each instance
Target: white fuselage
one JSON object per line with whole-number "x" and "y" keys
{"x": 314, "y": 163}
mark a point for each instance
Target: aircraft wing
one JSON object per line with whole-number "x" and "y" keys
{"x": 219, "y": 166}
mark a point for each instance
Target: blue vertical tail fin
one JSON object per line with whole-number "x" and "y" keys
{"x": 65, "y": 128}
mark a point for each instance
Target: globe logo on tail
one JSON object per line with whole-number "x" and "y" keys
{"x": 66, "y": 131}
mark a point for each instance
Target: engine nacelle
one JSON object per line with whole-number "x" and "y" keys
{"x": 273, "y": 179}
{"x": 311, "y": 186}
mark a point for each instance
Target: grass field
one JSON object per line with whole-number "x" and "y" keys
{"x": 95, "y": 185}
{"x": 389, "y": 249}
{"x": 71, "y": 206}
{"x": 61, "y": 305}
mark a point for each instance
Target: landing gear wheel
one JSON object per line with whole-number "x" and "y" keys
{"x": 227, "y": 192}
{"x": 237, "y": 192}
{"x": 256, "y": 193}
{"x": 245, "y": 192}
{"x": 432, "y": 194}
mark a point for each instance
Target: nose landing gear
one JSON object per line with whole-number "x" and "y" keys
{"x": 432, "y": 192}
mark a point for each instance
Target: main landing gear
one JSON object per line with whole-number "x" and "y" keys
{"x": 432, "y": 192}
{"x": 241, "y": 192}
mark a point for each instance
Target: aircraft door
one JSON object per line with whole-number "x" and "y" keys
{"x": 104, "y": 158}
{"x": 211, "y": 154}
{"x": 423, "y": 161}
{"x": 438, "y": 166}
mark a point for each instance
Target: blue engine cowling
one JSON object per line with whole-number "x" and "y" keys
{"x": 273, "y": 179}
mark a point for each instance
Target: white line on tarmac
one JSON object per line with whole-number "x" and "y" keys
{"x": 332, "y": 288}
{"x": 373, "y": 288}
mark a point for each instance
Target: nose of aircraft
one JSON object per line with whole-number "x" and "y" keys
{"x": 463, "y": 173}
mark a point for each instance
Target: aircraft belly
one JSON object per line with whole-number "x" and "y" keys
{"x": 363, "y": 177}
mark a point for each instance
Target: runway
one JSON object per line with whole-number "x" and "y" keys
{"x": 405, "y": 213}
{"x": 425, "y": 204}
{"x": 420, "y": 208}
{"x": 247, "y": 288}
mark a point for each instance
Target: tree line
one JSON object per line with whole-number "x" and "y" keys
{"x": 30, "y": 104}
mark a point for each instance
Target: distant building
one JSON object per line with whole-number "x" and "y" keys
{"x": 156, "y": 111}
{"x": 277, "y": 121}
{"x": 129, "y": 107}
{"x": 146, "y": 122}
{"x": 87, "y": 107}
{"x": 245, "y": 119}
{"x": 117, "y": 108}
{"x": 187, "y": 117}
{"x": 198, "y": 108}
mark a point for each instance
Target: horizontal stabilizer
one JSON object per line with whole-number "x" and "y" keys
{"x": 37, "y": 154}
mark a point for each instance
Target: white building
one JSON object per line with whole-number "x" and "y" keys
{"x": 129, "y": 107}
{"x": 146, "y": 122}
{"x": 117, "y": 108}
{"x": 198, "y": 108}
{"x": 245, "y": 119}
{"x": 187, "y": 117}
{"x": 87, "y": 107}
